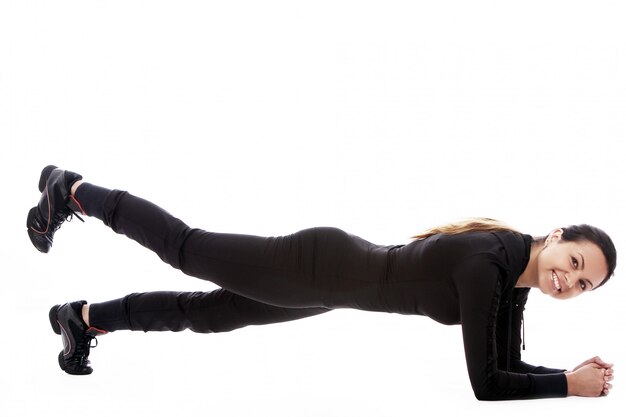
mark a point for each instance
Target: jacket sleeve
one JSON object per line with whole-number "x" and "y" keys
{"x": 508, "y": 337}
{"x": 479, "y": 290}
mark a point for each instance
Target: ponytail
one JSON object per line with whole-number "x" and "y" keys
{"x": 473, "y": 224}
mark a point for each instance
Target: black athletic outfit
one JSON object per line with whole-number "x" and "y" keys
{"x": 466, "y": 279}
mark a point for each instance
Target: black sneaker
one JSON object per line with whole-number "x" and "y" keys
{"x": 67, "y": 321}
{"x": 55, "y": 206}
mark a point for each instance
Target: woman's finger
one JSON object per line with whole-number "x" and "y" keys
{"x": 602, "y": 363}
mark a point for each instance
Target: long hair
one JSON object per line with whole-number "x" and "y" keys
{"x": 472, "y": 224}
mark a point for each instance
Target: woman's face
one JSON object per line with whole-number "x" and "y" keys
{"x": 567, "y": 269}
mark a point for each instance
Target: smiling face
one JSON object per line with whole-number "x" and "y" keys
{"x": 567, "y": 269}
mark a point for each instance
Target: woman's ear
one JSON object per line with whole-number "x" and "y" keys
{"x": 554, "y": 236}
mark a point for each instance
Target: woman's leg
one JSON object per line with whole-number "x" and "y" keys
{"x": 202, "y": 312}
{"x": 319, "y": 267}
{"x": 79, "y": 323}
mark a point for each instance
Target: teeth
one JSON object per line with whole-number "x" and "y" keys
{"x": 555, "y": 280}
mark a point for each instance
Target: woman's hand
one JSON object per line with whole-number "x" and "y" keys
{"x": 590, "y": 379}
{"x": 596, "y": 360}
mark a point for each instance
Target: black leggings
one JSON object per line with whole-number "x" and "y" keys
{"x": 264, "y": 279}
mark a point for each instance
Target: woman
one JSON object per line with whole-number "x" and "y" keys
{"x": 477, "y": 274}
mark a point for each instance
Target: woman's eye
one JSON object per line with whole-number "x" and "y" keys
{"x": 583, "y": 285}
{"x": 575, "y": 262}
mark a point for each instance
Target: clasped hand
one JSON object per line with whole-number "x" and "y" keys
{"x": 591, "y": 378}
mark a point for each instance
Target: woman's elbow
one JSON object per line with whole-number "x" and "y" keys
{"x": 482, "y": 396}
{"x": 485, "y": 394}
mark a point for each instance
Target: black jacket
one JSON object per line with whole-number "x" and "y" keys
{"x": 469, "y": 279}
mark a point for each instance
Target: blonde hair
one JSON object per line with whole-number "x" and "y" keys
{"x": 472, "y": 224}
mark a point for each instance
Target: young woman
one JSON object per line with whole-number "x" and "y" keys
{"x": 477, "y": 274}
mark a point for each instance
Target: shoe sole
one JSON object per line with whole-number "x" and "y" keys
{"x": 45, "y": 174}
{"x": 62, "y": 362}
{"x": 53, "y": 319}
{"x": 32, "y": 234}
{"x": 43, "y": 179}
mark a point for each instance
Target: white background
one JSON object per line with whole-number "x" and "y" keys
{"x": 266, "y": 117}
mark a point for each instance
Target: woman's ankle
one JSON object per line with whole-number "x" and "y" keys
{"x": 85, "y": 314}
{"x": 75, "y": 186}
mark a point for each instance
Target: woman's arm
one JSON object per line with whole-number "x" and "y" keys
{"x": 478, "y": 286}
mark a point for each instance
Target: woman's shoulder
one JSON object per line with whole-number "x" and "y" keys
{"x": 510, "y": 239}
{"x": 502, "y": 247}
{"x": 505, "y": 247}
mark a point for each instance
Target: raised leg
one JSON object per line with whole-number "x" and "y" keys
{"x": 318, "y": 267}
